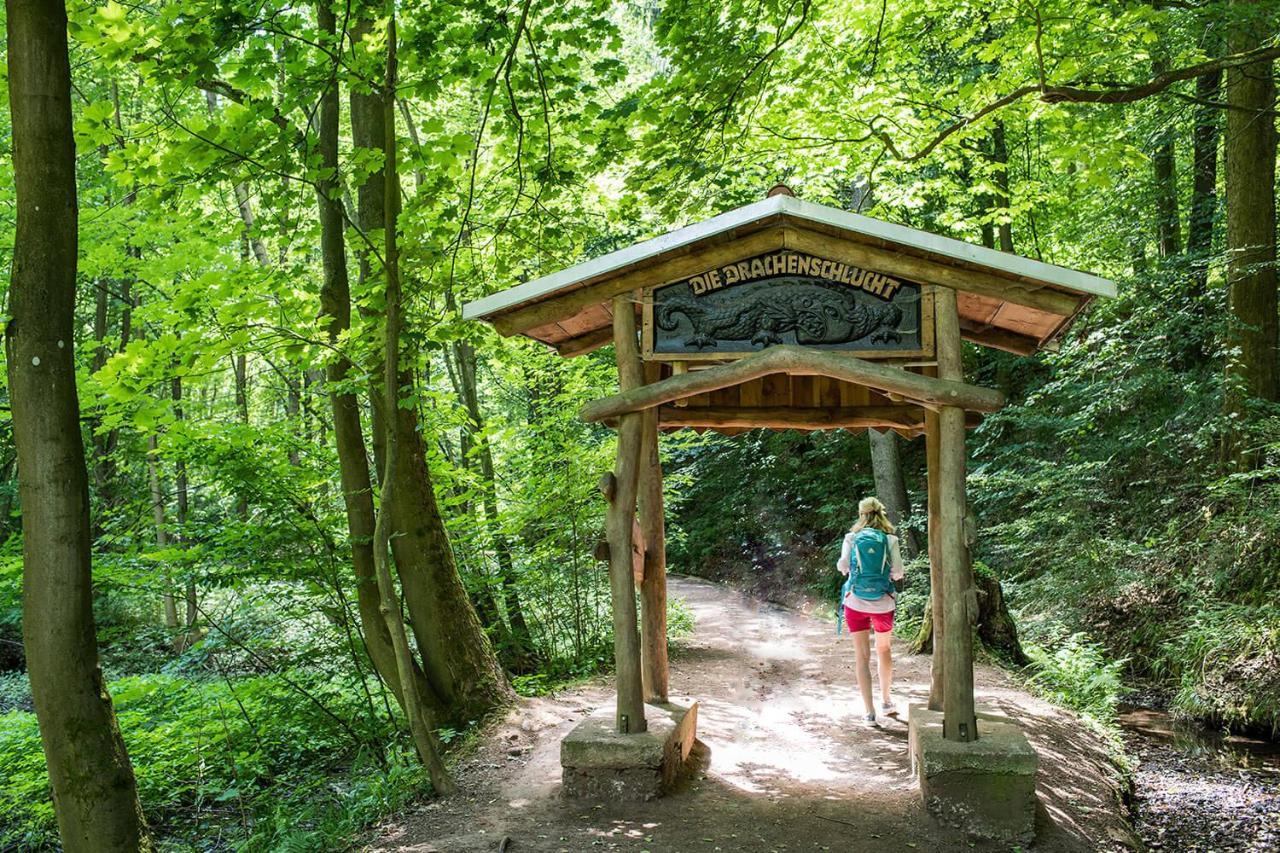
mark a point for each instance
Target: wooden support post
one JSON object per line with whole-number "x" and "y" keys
{"x": 653, "y": 589}
{"x": 937, "y": 662}
{"x": 618, "y": 525}
{"x": 959, "y": 722}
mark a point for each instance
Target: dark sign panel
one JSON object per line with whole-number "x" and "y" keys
{"x": 787, "y": 298}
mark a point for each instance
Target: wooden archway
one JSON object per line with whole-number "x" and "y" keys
{"x": 789, "y": 368}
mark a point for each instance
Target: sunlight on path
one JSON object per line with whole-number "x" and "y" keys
{"x": 791, "y": 719}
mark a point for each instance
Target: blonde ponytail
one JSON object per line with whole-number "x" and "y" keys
{"x": 871, "y": 513}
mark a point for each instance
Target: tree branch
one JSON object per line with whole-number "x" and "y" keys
{"x": 1075, "y": 94}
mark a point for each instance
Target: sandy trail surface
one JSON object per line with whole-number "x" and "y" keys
{"x": 785, "y": 764}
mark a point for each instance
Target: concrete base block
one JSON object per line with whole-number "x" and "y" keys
{"x": 986, "y": 787}
{"x": 598, "y": 763}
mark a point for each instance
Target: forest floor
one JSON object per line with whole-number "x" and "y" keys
{"x": 785, "y": 763}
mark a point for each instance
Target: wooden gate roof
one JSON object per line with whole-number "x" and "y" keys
{"x": 1004, "y": 300}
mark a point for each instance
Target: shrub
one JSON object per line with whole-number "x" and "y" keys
{"x": 247, "y": 761}
{"x": 1078, "y": 675}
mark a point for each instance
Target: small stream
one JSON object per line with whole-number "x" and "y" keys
{"x": 1196, "y": 789}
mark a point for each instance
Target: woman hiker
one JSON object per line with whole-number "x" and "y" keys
{"x": 872, "y": 559}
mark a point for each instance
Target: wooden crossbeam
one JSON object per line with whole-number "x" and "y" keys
{"x": 585, "y": 343}
{"x": 908, "y": 418}
{"x": 997, "y": 338}
{"x": 798, "y": 361}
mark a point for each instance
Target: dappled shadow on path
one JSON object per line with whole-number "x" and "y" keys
{"x": 784, "y": 761}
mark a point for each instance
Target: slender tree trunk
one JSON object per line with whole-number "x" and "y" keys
{"x": 1205, "y": 182}
{"x": 1163, "y": 163}
{"x": 240, "y": 372}
{"x": 1250, "y": 160}
{"x": 420, "y": 722}
{"x": 1000, "y": 155}
{"x": 182, "y": 491}
{"x": 1203, "y": 210}
{"x": 293, "y": 411}
{"x": 457, "y": 656}
{"x": 353, "y": 461}
{"x": 103, "y": 461}
{"x": 522, "y": 656}
{"x": 94, "y": 794}
{"x": 162, "y": 533}
{"x": 891, "y": 487}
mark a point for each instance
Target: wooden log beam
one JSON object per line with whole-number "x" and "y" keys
{"x": 555, "y": 308}
{"x": 997, "y": 338}
{"x": 653, "y": 585}
{"x": 585, "y": 343}
{"x": 619, "y": 526}
{"x": 959, "y": 722}
{"x": 937, "y": 661}
{"x": 928, "y": 271}
{"x": 911, "y": 418}
{"x": 798, "y": 361}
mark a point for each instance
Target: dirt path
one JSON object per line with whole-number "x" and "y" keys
{"x": 786, "y": 765}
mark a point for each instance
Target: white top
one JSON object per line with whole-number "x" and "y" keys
{"x": 531, "y": 291}
{"x": 885, "y": 603}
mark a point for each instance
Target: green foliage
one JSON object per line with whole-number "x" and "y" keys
{"x": 254, "y": 760}
{"x": 909, "y": 615}
{"x": 1078, "y": 674}
{"x": 1224, "y": 661}
{"x": 769, "y": 508}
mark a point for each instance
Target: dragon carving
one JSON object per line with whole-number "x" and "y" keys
{"x": 817, "y": 314}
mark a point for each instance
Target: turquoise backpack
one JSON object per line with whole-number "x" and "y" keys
{"x": 869, "y": 570}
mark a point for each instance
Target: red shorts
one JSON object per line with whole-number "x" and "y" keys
{"x": 882, "y": 622}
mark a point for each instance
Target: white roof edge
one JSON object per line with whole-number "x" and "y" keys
{"x": 945, "y": 246}
{"x": 950, "y": 247}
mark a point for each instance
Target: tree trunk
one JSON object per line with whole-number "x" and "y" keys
{"x": 1250, "y": 160}
{"x": 240, "y": 370}
{"x": 522, "y": 656}
{"x": 1000, "y": 154}
{"x": 103, "y": 461}
{"x": 1205, "y": 183}
{"x": 1203, "y": 210}
{"x": 94, "y": 793}
{"x": 996, "y": 628}
{"x": 457, "y": 656}
{"x": 192, "y": 635}
{"x": 353, "y": 460}
{"x": 421, "y": 724}
{"x": 1163, "y": 162}
{"x": 293, "y": 411}
{"x": 162, "y": 533}
{"x": 891, "y": 487}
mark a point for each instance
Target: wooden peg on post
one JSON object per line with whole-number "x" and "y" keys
{"x": 619, "y": 523}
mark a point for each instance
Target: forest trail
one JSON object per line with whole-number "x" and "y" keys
{"x": 786, "y": 765}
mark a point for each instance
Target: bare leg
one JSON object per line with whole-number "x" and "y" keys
{"x": 884, "y": 652}
{"x": 862, "y": 665}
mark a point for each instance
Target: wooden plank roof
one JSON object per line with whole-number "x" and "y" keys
{"x": 1005, "y": 300}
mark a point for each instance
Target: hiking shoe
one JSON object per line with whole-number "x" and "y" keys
{"x": 889, "y": 709}
{"x": 869, "y": 720}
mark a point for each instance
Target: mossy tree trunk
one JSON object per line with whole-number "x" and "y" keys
{"x": 458, "y": 660}
{"x": 94, "y": 793}
{"x": 353, "y": 459}
{"x": 1250, "y": 160}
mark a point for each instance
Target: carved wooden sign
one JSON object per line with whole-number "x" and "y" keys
{"x": 787, "y": 297}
